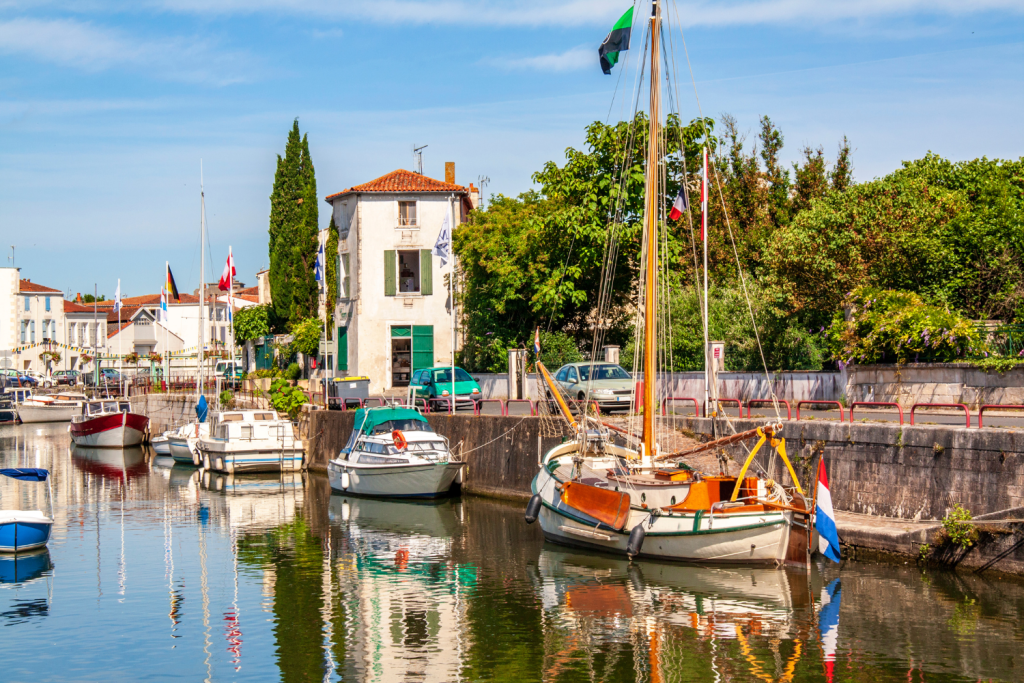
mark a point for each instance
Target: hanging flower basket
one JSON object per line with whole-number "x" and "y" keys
{"x": 85, "y": 358}
{"x": 155, "y": 358}
{"x": 50, "y": 356}
{"x": 132, "y": 359}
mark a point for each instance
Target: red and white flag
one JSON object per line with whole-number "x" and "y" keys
{"x": 229, "y": 272}
{"x": 679, "y": 205}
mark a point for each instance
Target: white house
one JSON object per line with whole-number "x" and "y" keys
{"x": 8, "y": 316}
{"x": 39, "y": 319}
{"x": 391, "y": 315}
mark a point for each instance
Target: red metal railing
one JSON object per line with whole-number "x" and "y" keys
{"x": 373, "y": 401}
{"x": 478, "y": 409}
{"x": 669, "y": 399}
{"x": 981, "y": 411}
{"x": 768, "y": 402}
{"x": 877, "y": 404}
{"x": 967, "y": 413}
{"x": 439, "y": 405}
{"x": 838, "y": 405}
{"x": 512, "y": 402}
{"x": 737, "y": 401}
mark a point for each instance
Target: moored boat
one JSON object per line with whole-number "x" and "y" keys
{"x": 393, "y": 452}
{"x": 251, "y": 441}
{"x": 22, "y": 530}
{"x": 51, "y": 408}
{"x": 183, "y": 443}
{"x": 108, "y": 423}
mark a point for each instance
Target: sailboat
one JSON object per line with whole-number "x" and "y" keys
{"x": 594, "y": 493}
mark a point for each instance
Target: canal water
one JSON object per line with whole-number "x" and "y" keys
{"x": 159, "y": 572}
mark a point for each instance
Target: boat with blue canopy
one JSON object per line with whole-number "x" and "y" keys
{"x": 22, "y": 530}
{"x": 393, "y": 452}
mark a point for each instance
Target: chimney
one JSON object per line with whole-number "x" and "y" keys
{"x": 78, "y": 298}
{"x": 474, "y": 196}
{"x": 449, "y": 172}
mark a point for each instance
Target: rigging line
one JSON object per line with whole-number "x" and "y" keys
{"x": 728, "y": 223}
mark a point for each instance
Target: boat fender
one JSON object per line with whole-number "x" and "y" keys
{"x": 344, "y": 481}
{"x": 533, "y": 509}
{"x": 636, "y": 541}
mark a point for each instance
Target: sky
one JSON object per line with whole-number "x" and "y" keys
{"x": 108, "y": 108}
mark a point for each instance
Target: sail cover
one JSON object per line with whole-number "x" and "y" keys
{"x": 201, "y": 409}
{"x": 26, "y": 473}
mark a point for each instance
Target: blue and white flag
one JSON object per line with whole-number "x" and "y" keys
{"x": 825, "y": 518}
{"x": 318, "y": 271}
{"x": 117, "y": 296}
{"x": 162, "y": 313}
{"x": 828, "y": 623}
{"x": 443, "y": 246}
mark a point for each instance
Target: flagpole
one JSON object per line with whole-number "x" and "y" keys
{"x": 451, "y": 291}
{"x": 202, "y": 283}
{"x": 119, "y": 357}
{"x": 167, "y": 313}
{"x": 231, "y": 309}
{"x": 707, "y": 321}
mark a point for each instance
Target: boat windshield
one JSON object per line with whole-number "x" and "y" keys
{"x": 602, "y": 372}
{"x": 406, "y": 425}
{"x": 110, "y": 406}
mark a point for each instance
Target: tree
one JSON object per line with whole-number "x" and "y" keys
{"x": 294, "y": 224}
{"x": 331, "y": 256}
{"x": 252, "y": 322}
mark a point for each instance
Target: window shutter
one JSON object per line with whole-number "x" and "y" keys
{"x": 422, "y": 347}
{"x": 342, "y": 362}
{"x": 426, "y": 272}
{"x": 390, "y": 278}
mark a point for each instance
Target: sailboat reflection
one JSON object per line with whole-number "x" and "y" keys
{"x": 17, "y": 572}
{"x": 24, "y": 567}
{"x": 677, "y": 620}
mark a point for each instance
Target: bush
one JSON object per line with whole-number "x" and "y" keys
{"x": 265, "y": 373}
{"x": 227, "y": 399}
{"x": 959, "y": 530}
{"x": 894, "y": 326}
{"x": 286, "y": 398}
{"x": 293, "y": 371}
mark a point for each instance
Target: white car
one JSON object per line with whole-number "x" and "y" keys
{"x": 41, "y": 377}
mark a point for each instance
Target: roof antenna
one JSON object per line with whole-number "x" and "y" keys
{"x": 481, "y": 181}
{"x": 417, "y": 157}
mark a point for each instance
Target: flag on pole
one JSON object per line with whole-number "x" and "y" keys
{"x": 163, "y": 305}
{"x": 318, "y": 269}
{"x": 117, "y": 296}
{"x": 825, "y": 518}
{"x": 443, "y": 245}
{"x": 828, "y": 623}
{"x": 679, "y": 205}
{"x": 172, "y": 289}
{"x": 536, "y": 343}
{"x": 616, "y": 42}
{"x": 704, "y": 194}
{"x": 229, "y": 272}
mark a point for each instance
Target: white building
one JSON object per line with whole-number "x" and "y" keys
{"x": 391, "y": 315}
{"x": 38, "y": 319}
{"x": 8, "y": 316}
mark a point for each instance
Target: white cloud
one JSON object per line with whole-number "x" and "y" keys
{"x": 83, "y": 45}
{"x": 575, "y": 59}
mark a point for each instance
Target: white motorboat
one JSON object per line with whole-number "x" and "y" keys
{"x": 251, "y": 441}
{"x": 183, "y": 443}
{"x": 51, "y": 408}
{"x": 161, "y": 444}
{"x": 108, "y": 423}
{"x": 393, "y": 452}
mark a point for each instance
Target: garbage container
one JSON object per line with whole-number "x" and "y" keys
{"x": 341, "y": 388}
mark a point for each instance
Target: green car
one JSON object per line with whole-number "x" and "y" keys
{"x": 437, "y": 383}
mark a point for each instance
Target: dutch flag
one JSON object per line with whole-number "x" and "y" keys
{"x": 828, "y": 622}
{"x": 825, "y": 518}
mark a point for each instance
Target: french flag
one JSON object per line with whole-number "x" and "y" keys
{"x": 825, "y": 518}
{"x": 828, "y": 623}
{"x": 536, "y": 343}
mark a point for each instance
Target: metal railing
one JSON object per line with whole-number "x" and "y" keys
{"x": 838, "y": 405}
{"x": 961, "y": 406}
{"x": 768, "y": 402}
{"x": 981, "y": 411}
{"x": 877, "y": 404}
{"x": 670, "y": 399}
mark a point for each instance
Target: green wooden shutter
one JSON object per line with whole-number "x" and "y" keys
{"x": 345, "y": 286}
{"x": 426, "y": 272}
{"x": 390, "y": 279}
{"x": 342, "y": 362}
{"x": 422, "y": 347}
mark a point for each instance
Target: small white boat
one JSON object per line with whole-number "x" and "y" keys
{"x": 108, "y": 423}
{"x": 51, "y": 408}
{"x": 251, "y": 441}
{"x": 183, "y": 443}
{"x": 22, "y": 530}
{"x": 393, "y": 453}
{"x": 161, "y": 444}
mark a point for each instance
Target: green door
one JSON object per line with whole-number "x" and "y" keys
{"x": 422, "y": 347}
{"x": 265, "y": 354}
{"x": 342, "y": 357}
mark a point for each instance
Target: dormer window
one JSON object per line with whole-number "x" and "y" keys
{"x": 407, "y": 215}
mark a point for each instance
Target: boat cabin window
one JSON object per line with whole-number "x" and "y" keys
{"x": 222, "y": 431}
{"x": 378, "y": 460}
{"x": 426, "y": 446}
{"x": 231, "y": 417}
{"x": 110, "y": 406}
{"x": 263, "y": 416}
{"x": 406, "y": 425}
{"x": 247, "y": 431}
{"x": 125, "y": 407}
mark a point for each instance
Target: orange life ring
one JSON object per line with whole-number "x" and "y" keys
{"x": 399, "y": 438}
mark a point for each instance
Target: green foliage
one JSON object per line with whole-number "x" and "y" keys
{"x": 265, "y": 373}
{"x": 132, "y": 358}
{"x": 227, "y": 398}
{"x": 897, "y": 326}
{"x": 306, "y": 336}
{"x": 923, "y": 552}
{"x": 89, "y": 298}
{"x": 959, "y": 530}
{"x": 294, "y": 216}
{"x": 998, "y": 364}
{"x": 487, "y": 353}
{"x": 252, "y": 322}
{"x": 557, "y": 349}
{"x": 292, "y": 372}
{"x": 333, "y": 285}
{"x": 286, "y": 398}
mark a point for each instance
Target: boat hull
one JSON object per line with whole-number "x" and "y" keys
{"x": 110, "y": 431}
{"x": 38, "y": 413}
{"x": 18, "y": 535}
{"x": 427, "y": 480}
{"x": 183, "y": 449}
{"x": 748, "y": 538}
{"x": 161, "y": 445}
{"x": 253, "y": 458}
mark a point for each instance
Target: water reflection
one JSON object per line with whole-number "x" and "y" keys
{"x": 270, "y": 577}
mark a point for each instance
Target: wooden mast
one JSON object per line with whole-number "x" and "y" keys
{"x": 651, "y": 234}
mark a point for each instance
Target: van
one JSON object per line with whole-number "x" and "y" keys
{"x": 229, "y": 369}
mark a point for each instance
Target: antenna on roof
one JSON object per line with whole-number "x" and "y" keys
{"x": 482, "y": 180}
{"x": 417, "y": 157}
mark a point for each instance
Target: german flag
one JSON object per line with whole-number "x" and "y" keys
{"x": 172, "y": 289}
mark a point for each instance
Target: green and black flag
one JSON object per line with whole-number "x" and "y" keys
{"x": 616, "y": 42}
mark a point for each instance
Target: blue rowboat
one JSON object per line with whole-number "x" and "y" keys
{"x": 22, "y": 530}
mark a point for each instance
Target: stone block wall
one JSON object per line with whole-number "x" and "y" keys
{"x": 935, "y": 383}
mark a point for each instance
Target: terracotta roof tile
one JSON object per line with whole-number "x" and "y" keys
{"x": 401, "y": 181}
{"x": 26, "y": 286}
{"x": 248, "y": 291}
{"x": 146, "y": 300}
{"x": 75, "y": 307}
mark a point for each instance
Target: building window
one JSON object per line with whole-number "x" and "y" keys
{"x": 47, "y": 304}
{"x": 407, "y": 215}
{"x": 32, "y": 331}
{"x": 24, "y": 331}
{"x": 26, "y": 304}
{"x": 409, "y": 272}
{"x": 71, "y": 333}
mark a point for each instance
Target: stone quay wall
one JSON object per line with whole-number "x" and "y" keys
{"x": 166, "y": 411}
{"x": 935, "y": 383}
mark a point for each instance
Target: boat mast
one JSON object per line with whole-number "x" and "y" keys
{"x": 651, "y": 234}
{"x": 202, "y": 280}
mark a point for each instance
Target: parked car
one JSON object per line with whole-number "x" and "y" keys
{"x": 67, "y": 377}
{"x": 25, "y": 380}
{"x": 230, "y": 371}
{"x": 108, "y": 377}
{"x": 607, "y": 384}
{"x": 437, "y": 383}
